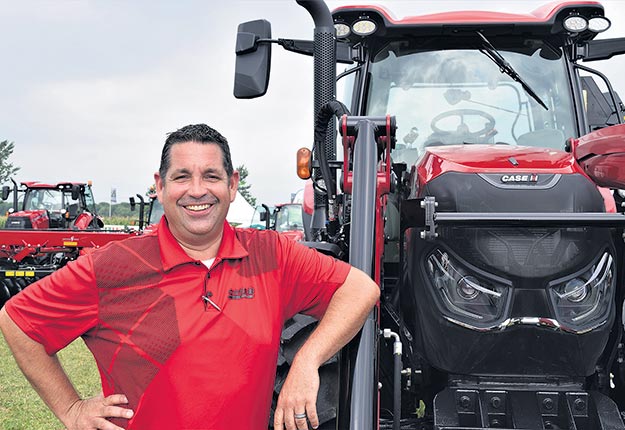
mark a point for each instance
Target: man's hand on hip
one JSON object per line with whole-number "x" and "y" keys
{"x": 93, "y": 413}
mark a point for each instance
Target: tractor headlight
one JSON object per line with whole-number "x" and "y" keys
{"x": 342, "y": 30}
{"x": 466, "y": 295}
{"x": 582, "y": 302}
{"x": 598, "y": 24}
{"x": 575, "y": 23}
{"x": 364, "y": 27}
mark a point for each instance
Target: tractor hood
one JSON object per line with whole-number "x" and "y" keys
{"x": 460, "y": 170}
{"x": 474, "y": 158}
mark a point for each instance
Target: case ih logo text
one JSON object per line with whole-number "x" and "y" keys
{"x": 241, "y": 293}
{"x": 526, "y": 179}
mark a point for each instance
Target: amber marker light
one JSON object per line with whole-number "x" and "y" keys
{"x": 303, "y": 163}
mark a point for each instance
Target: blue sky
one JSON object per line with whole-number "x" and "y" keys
{"x": 90, "y": 88}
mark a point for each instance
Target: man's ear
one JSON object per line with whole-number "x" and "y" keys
{"x": 234, "y": 185}
{"x": 158, "y": 182}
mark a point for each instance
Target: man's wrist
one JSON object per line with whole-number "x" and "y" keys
{"x": 306, "y": 358}
{"x": 66, "y": 417}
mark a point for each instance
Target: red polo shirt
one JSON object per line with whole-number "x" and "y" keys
{"x": 183, "y": 362}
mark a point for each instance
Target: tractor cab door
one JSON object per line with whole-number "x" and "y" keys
{"x": 602, "y": 105}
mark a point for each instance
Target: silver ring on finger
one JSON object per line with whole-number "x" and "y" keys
{"x": 300, "y": 416}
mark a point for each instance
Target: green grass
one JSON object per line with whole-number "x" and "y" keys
{"x": 21, "y": 408}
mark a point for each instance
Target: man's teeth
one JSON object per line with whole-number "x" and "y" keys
{"x": 197, "y": 207}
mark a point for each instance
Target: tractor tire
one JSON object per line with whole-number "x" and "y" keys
{"x": 9, "y": 287}
{"x": 5, "y": 293}
{"x": 295, "y": 332}
{"x": 13, "y": 285}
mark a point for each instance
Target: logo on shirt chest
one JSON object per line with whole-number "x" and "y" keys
{"x": 241, "y": 293}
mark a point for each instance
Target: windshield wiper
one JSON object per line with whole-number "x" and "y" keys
{"x": 491, "y": 52}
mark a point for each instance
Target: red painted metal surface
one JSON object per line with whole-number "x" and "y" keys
{"x": 60, "y": 238}
{"x": 543, "y": 14}
{"x": 605, "y": 170}
{"x": 36, "y": 184}
{"x": 492, "y": 159}
{"x": 83, "y": 221}
{"x": 601, "y": 154}
{"x": 38, "y": 218}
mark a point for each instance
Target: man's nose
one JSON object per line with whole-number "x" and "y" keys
{"x": 197, "y": 188}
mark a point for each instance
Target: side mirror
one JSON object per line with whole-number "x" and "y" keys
{"x": 267, "y": 217}
{"x": 251, "y": 76}
{"x": 6, "y": 190}
{"x": 75, "y": 192}
{"x": 133, "y": 203}
{"x": 141, "y": 209}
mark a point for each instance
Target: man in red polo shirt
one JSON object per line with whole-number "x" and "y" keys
{"x": 184, "y": 322}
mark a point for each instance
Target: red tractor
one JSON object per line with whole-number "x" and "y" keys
{"x": 55, "y": 224}
{"x": 481, "y": 185}
{"x": 150, "y": 213}
{"x": 50, "y": 206}
{"x": 285, "y": 218}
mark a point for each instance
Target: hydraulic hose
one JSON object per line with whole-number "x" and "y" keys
{"x": 397, "y": 368}
{"x": 324, "y": 116}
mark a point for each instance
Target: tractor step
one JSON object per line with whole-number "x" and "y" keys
{"x": 471, "y": 409}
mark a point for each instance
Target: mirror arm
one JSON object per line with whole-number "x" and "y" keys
{"x": 602, "y": 49}
{"x": 305, "y": 47}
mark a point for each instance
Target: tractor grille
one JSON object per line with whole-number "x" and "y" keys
{"x": 18, "y": 223}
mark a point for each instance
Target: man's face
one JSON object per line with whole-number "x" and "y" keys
{"x": 196, "y": 193}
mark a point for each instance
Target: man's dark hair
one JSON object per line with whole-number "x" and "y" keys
{"x": 200, "y": 133}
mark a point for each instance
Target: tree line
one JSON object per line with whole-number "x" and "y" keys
{"x": 122, "y": 209}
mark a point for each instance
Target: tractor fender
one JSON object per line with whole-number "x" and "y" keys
{"x": 601, "y": 154}
{"x": 87, "y": 220}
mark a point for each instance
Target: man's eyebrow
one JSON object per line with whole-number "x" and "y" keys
{"x": 214, "y": 170}
{"x": 179, "y": 171}
{"x": 209, "y": 170}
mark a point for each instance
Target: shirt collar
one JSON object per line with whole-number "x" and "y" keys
{"x": 173, "y": 255}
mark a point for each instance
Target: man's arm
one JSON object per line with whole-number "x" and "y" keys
{"x": 48, "y": 378}
{"x": 345, "y": 315}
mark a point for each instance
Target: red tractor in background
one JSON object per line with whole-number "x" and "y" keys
{"x": 150, "y": 213}
{"x": 37, "y": 205}
{"x": 481, "y": 184}
{"x": 55, "y": 224}
{"x": 285, "y": 218}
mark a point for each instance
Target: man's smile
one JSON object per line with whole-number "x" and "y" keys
{"x": 197, "y": 207}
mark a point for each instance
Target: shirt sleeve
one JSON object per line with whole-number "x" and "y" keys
{"x": 310, "y": 278}
{"x": 58, "y": 308}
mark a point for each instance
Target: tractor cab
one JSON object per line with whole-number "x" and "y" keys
{"x": 150, "y": 213}
{"x": 285, "y": 218}
{"x": 499, "y": 78}
{"x": 289, "y": 221}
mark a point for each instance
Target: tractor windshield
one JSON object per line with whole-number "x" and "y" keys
{"x": 89, "y": 200}
{"x": 460, "y": 96}
{"x": 289, "y": 218}
{"x": 156, "y": 212}
{"x": 48, "y": 199}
